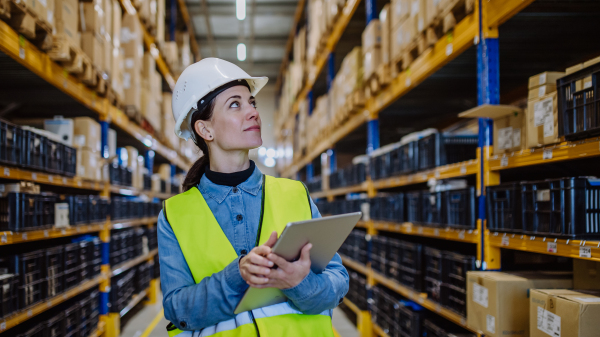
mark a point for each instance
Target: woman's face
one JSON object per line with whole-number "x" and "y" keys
{"x": 235, "y": 124}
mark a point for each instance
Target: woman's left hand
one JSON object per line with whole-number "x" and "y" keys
{"x": 288, "y": 274}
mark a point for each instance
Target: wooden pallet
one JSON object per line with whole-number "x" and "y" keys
{"x": 355, "y": 102}
{"x": 454, "y": 12}
{"x": 65, "y": 52}
{"x": 133, "y": 113}
{"x": 378, "y": 80}
{"x": 113, "y": 98}
{"x": 27, "y": 23}
{"x": 410, "y": 53}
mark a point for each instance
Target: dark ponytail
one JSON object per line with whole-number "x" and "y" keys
{"x": 197, "y": 170}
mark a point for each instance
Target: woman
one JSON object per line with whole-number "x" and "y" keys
{"x": 215, "y": 239}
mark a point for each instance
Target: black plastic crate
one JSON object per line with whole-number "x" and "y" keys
{"x": 439, "y": 328}
{"x": 433, "y": 273}
{"x": 438, "y": 149}
{"x": 11, "y": 139}
{"x": 579, "y": 111}
{"x": 36, "y": 331}
{"x": 48, "y": 202}
{"x": 97, "y": 209}
{"x": 413, "y": 207}
{"x": 504, "y": 208}
{"x": 54, "y": 156}
{"x": 29, "y": 266}
{"x": 22, "y": 212}
{"x": 147, "y": 182}
{"x": 54, "y": 263}
{"x": 429, "y": 151}
{"x": 567, "y": 207}
{"x": 122, "y": 290}
{"x": 72, "y": 256}
{"x": 461, "y": 208}
{"x": 69, "y": 164}
{"x": 142, "y": 277}
{"x": 34, "y": 151}
{"x": 314, "y": 185}
{"x": 31, "y": 293}
{"x": 9, "y": 300}
{"x": 407, "y": 157}
{"x": 455, "y": 267}
{"x": 454, "y": 298}
{"x": 72, "y": 319}
{"x": 393, "y": 270}
{"x": 55, "y": 326}
{"x": 411, "y": 265}
{"x": 348, "y": 176}
{"x": 78, "y": 209}
{"x": 432, "y": 208}
{"x": 409, "y": 321}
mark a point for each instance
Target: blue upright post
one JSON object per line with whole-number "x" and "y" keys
{"x": 372, "y": 135}
{"x": 173, "y": 19}
{"x": 332, "y": 160}
{"x": 371, "y": 9}
{"x": 488, "y": 92}
{"x": 149, "y": 161}
{"x": 310, "y": 172}
{"x": 330, "y": 70}
{"x": 311, "y": 104}
{"x": 104, "y": 139}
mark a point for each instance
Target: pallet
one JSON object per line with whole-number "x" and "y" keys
{"x": 452, "y": 13}
{"x": 72, "y": 58}
{"x": 410, "y": 53}
{"x": 377, "y": 81}
{"x": 355, "y": 102}
{"x": 27, "y": 23}
{"x": 113, "y": 98}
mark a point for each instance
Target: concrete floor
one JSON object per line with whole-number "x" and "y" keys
{"x": 139, "y": 323}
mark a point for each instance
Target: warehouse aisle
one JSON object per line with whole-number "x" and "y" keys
{"x": 342, "y": 325}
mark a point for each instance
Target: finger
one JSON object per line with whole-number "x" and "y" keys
{"x": 260, "y": 260}
{"x": 262, "y": 250}
{"x": 279, "y": 261}
{"x": 261, "y": 286}
{"x": 257, "y": 280}
{"x": 305, "y": 253}
{"x": 258, "y": 270}
{"x": 272, "y": 239}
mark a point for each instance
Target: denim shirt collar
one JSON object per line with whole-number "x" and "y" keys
{"x": 219, "y": 192}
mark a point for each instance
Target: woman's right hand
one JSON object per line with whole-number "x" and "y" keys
{"x": 255, "y": 267}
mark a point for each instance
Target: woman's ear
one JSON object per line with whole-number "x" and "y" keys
{"x": 204, "y": 130}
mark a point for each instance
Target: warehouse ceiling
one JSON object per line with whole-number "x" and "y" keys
{"x": 264, "y": 31}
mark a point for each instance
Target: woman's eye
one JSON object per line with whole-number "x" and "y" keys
{"x": 235, "y": 105}
{"x": 253, "y": 104}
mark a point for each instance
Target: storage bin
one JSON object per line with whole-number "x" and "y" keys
{"x": 55, "y": 326}
{"x": 31, "y": 293}
{"x": 413, "y": 207}
{"x": 36, "y": 331}
{"x": 566, "y": 207}
{"x": 22, "y": 212}
{"x": 460, "y": 208}
{"x": 407, "y": 158}
{"x": 579, "y": 111}
{"x": 432, "y": 208}
{"x": 34, "y": 151}
{"x": 9, "y": 300}
{"x": 69, "y": 166}
{"x": 409, "y": 321}
{"x": 504, "y": 208}
{"x": 433, "y": 273}
{"x": 11, "y": 139}
{"x": 438, "y": 149}
{"x": 55, "y": 153}
{"x": 411, "y": 265}
{"x": 54, "y": 263}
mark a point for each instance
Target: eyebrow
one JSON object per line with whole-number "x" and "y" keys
{"x": 239, "y": 97}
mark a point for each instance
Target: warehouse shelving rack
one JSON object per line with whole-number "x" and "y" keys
{"x": 21, "y": 50}
{"x": 479, "y": 29}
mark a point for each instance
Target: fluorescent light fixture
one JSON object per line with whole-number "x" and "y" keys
{"x": 262, "y": 151}
{"x": 269, "y": 162}
{"x": 240, "y": 10}
{"x": 241, "y": 52}
{"x": 271, "y": 153}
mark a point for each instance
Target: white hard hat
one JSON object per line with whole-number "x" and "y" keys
{"x": 198, "y": 80}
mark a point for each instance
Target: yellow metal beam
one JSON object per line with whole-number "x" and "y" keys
{"x": 576, "y": 249}
{"x": 443, "y": 172}
{"x": 379, "y": 331}
{"x": 499, "y": 11}
{"x": 190, "y": 27}
{"x": 118, "y": 269}
{"x": 341, "y": 191}
{"x": 359, "y": 267}
{"x": 153, "y": 291}
{"x": 112, "y": 323}
{"x": 462, "y": 235}
{"x": 37, "y": 309}
{"x": 15, "y": 173}
{"x": 7, "y": 238}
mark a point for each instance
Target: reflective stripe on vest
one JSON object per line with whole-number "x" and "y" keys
{"x": 207, "y": 250}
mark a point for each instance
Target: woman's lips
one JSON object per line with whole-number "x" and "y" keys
{"x": 253, "y": 128}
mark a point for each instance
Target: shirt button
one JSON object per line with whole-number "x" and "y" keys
{"x": 240, "y": 217}
{"x": 244, "y": 252}
{"x": 235, "y": 190}
{"x": 182, "y": 324}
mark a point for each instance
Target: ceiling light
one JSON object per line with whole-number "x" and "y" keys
{"x": 241, "y": 51}
{"x": 262, "y": 151}
{"x": 240, "y": 9}
{"x": 271, "y": 153}
{"x": 269, "y": 162}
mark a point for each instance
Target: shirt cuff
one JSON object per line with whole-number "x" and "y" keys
{"x": 304, "y": 290}
{"x": 234, "y": 278}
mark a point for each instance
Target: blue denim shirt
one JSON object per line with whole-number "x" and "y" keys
{"x": 191, "y": 306}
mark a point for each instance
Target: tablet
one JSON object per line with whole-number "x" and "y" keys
{"x": 326, "y": 235}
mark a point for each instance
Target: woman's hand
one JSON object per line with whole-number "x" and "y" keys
{"x": 255, "y": 267}
{"x": 288, "y": 274}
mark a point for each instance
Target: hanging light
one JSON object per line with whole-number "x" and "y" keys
{"x": 241, "y": 51}
{"x": 240, "y": 9}
{"x": 269, "y": 162}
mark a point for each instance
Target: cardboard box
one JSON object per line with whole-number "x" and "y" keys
{"x": 542, "y": 121}
{"x": 150, "y": 109}
{"x": 509, "y": 126}
{"x": 40, "y": 8}
{"x": 497, "y": 303}
{"x": 564, "y": 313}
{"x": 164, "y": 170}
{"x": 160, "y": 22}
{"x": 573, "y": 69}
{"x": 89, "y": 131}
{"x": 148, "y": 68}
{"x": 541, "y": 90}
{"x": 591, "y": 62}
{"x": 386, "y": 30}
{"x": 63, "y": 127}
{"x": 132, "y": 38}
{"x": 433, "y": 8}
{"x": 586, "y": 274}
{"x": 93, "y": 19}
{"x": 92, "y": 45}
{"x": 371, "y": 36}
{"x": 88, "y": 164}
{"x": 117, "y": 13}
{"x": 117, "y": 70}
{"x": 400, "y": 10}
{"x": 418, "y": 10}
{"x": 66, "y": 19}
{"x": 403, "y": 36}
{"x": 371, "y": 61}
{"x": 20, "y": 187}
{"x": 547, "y": 77}
{"x": 112, "y": 143}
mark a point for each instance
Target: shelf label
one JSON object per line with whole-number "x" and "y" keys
{"x": 420, "y": 230}
{"x": 63, "y": 232}
{"x": 547, "y": 154}
{"x": 480, "y": 295}
{"x": 548, "y": 322}
{"x": 552, "y": 247}
{"x": 437, "y": 174}
{"x": 504, "y": 161}
{"x": 6, "y": 171}
{"x": 463, "y": 170}
{"x": 504, "y": 241}
{"x": 79, "y": 183}
{"x": 24, "y": 236}
{"x": 29, "y": 313}
{"x": 461, "y": 235}
{"x": 2, "y": 326}
{"x": 585, "y": 252}
{"x": 449, "y": 49}
{"x": 22, "y": 53}
{"x": 490, "y": 323}
{"x": 64, "y": 181}
{"x": 4, "y": 239}
{"x": 421, "y": 300}
{"x": 49, "y": 303}
{"x": 407, "y": 82}
{"x": 34, "y": 176}
{"x": 436, "y": 232}
{"x": 438, "y": 308}
{"x": 51, "y": 179}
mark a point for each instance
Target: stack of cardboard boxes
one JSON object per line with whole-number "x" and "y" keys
{"x": 347, "y": 81}
{"x": 318, "y": 122}
{"x": 168, "y": 123}
{"x": 542, "y": 110}
{"x": 116, "y": 57}
{"x": 87, "y": 139}
{"x": 133, "y": 52}
{"x": 371, "y": 48}
{"x": 151, "y": 92}
{"x": 95, "y": 26}
{"x": 66, "y": 21}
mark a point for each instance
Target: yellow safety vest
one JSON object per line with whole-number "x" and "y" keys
{"x": 207, "y": 251}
